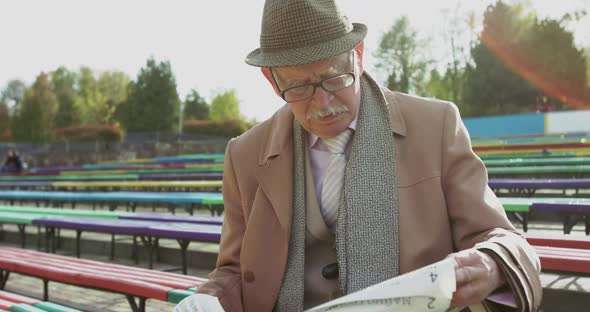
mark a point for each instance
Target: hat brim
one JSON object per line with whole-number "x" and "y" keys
{"x": 309, "y": 54}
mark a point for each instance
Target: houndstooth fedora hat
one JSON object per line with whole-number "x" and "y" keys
{"x": 298, "y": 32}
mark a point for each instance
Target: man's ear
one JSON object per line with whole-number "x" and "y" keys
{"x": 268, "y": 75}
{"x": 360, "y": 48}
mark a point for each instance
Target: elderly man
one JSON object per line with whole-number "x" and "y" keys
{"x": 350, "y": 184}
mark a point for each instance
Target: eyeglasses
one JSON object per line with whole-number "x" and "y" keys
{"x": 330, "y": 84}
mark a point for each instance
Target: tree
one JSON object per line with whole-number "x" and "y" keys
{"x": 13, "y": 94}
{"x": 4, "y": 119}
{"x": 112, "y": 86}
{"x": 555, "y": 66}
{"x": 399, "y": 54}
{"x": 225, "y": 106}
{"x": 520, "y": 60}
{"x": 89, "y": 99}
{"x": 195, "y": 107}
{"x": 34, "y": 121}
{"x": 152, "y": 103}
{"x": 448, "y": 86}
{"x": 453, "y": 81}
{"x": 63, "y": 84}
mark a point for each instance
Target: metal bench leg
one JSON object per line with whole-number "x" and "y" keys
{"x": 587, "y": 224}
{"x": 568, "y": 223}
{"x": 183, "y": 247}
{"x": 148, "y": 241}
{"x": 3, "y": 278}
{"x": 133, "y": 304}
{"x": 38, "y": 237}
{"x": 156, "y": 243}
{"x": 112, "y": 255}
{"x": 135, "y": 250}
{"x": 45, "y": 290}
{"x": 23, "y": 235}
{"x": 78, "y": 235}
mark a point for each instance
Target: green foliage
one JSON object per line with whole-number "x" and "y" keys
{"x": 90, "y": 133}
{"x": 152, "y": 103}
{"x": 195, "y": 107}
{"x": 448, "y": 87}
{"x": 113, "y": 88}
{"x": 225, "y": 106}
{"x": 520, "y": 60}
{"x": 227, "y": 128}
{"x": 399, "y": 54}
{"x": 99, "y": 97}
{"x": 63, "y": 84}
{"x": 4, "y": 122}
{"x": 13, "y": 94}
{"x": 34, "y": 120}
{"x": 89, "y": 99}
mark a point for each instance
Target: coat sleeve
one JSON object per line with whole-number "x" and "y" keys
{"x": 225, "y": 281}
{"x": 478, "y": 219}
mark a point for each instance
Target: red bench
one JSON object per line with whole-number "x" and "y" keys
{"x": 132, "y": 282}
{"x": 14, "y": 302}
{"x": 570, "y": 254}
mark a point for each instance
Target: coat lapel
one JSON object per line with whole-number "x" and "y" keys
{"x": 275, "y": 172}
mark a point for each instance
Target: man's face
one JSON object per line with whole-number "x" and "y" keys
{"x": 325, "y": 114}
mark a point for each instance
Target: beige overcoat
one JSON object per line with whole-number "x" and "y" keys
{"x": 444, "y": 205}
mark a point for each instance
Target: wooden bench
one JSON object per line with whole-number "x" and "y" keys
{"x": 528, "y": 187}
{"x": 563, "y": 254}
{"x": 536, "y": 161}
{"x": 573, "y": 171}
{"x": 15, "y": 302}
{"x": 149, "y": 228}
{"x": 572, "y": 210}
{"x": 137, "y": 284}
{"x": 213, "y": 201}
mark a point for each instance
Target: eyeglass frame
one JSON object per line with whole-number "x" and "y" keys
{"x": 318, "y": 83}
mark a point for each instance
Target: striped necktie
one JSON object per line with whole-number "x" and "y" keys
{"x": 334, "y": 177}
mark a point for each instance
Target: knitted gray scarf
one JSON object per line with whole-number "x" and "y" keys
{"x": 367, "y": 232}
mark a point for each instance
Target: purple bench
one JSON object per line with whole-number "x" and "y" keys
{"x": 25, "y": 185}
{"x": 528, "y": 187}
{"x": 149, "y": 233}
{"x": 182, "y": 176}
{"x": 572, "y": 213}
{"x": 169, "y": 218}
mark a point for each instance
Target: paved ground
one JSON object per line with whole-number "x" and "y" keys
{"x": 92, "y": 300}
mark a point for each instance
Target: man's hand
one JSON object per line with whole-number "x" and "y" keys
{"x": 477, "y": 274}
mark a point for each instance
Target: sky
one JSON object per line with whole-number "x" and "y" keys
{"x": 205, "y": 41}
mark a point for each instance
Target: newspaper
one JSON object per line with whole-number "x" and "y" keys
{"x": 427, "y": 289}
{"x": 199, "y": 303}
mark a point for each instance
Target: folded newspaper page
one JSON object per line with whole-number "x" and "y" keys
{"x": 199, "y": 303}
{"x": 427, "y": 289}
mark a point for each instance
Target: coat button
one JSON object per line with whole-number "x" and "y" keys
{"x": 248, "y": 276}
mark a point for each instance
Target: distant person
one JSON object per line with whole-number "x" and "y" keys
{"x": 350, "y": 184}
{"x": 13, "y": 163}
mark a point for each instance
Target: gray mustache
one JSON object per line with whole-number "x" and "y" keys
{"x": 333, "y": 109}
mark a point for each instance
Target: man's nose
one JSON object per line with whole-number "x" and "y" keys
{"x": 322, "y": 98}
